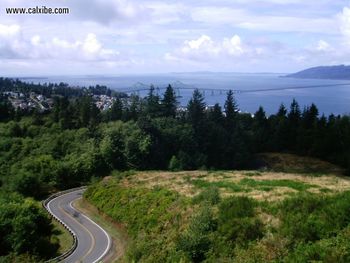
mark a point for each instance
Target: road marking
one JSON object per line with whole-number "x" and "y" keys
{"x": 87, "y": 230}
{"x": 93, "y": 239}
{"x": 106, "y": 234}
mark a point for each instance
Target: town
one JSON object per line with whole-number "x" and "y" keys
{"x": 41, "y": 103}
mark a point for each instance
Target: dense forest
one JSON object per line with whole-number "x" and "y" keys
{"x": 76, "y": 142}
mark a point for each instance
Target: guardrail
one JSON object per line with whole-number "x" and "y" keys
{"x": 75, "y": 240}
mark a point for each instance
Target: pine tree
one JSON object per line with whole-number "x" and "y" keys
{"x": 282, "y": 111}
{"x": 196, "y": 109}
{"x": 231, "y": 109}
{"x": 152, "y": 103}
{"x": 294, "y": 113}
{"x": 169, "y": 103}
{"x": 215, "y": 114}
{"x": 116, "y": 111}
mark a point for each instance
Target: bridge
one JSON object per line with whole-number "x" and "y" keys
{"x": 178, "y": 86}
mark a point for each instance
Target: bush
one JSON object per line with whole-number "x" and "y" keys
{"x": 242, "y": 230}
{"x": 210, "y": 195}
{"x": 335, "y": 249}
{"x": 175, "y": 164}
{"x": 196, "y": 242}
{"x": 310, "y": 218}
{"x": 236, "y": 207}
{"x": 237, "y": 221}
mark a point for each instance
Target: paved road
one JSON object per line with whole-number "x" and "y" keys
{"x": 93, "y": 242}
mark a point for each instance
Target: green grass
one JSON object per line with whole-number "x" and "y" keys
{"x": 299, "y": 186}
{"x": 220, "y": 184}
{"x": 117, "y": 233}
{"x": 247, "y": 185}
{"x": 62, "y": 236}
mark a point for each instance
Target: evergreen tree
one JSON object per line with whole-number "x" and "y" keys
{"x": 293, "y": 125}
{"x": 294, "y": 113}
{"x": 116, "y": 111}
{"x": 261, "y": 131}
{"x": 134, "y": 109}
{"x": 153, "y": 103}
{"x": 196, "y": 109}
{"x": 169, "y": 103}
{"x": 231, "y": 109}
{"x": 215, "y": 114}
{"x": 282, "y": 111}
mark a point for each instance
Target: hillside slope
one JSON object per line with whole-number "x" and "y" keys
{"x": 340, "y": 72}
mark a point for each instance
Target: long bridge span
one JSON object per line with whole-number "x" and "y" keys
{"x": 213, "y": 92}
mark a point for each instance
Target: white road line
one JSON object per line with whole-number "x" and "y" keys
{"x": 70, "y": 204}
{"x": 108, "y": 238}
{"x": 48, "y": 207}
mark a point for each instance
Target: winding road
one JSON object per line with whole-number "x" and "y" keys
{"x": 93, "y": 241}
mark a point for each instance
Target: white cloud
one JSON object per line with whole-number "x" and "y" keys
{"x": 233, "y": 46}
{"x": 9, "y": 31}
{"x": 205, "y": 48}
{"x": 240, "y": 18}
{"x": 323, "y": 46}
{"x": 14, "y": 46}
{"x": 344, "y": 18}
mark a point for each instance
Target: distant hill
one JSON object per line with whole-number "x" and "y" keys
{"x": 329, "y": 72}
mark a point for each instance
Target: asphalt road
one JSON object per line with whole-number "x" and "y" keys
{"x": 93, "y": 242}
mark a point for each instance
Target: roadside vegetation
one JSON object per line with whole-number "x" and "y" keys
{"x": 214, "y": 224}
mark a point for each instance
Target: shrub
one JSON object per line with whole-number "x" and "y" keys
{"x": 196, "y": 241}
{"x": 310, "y": 218}
{"x": 335, "y": 249}
{"x": 175, "y": 164}
{"x": 236, "y": 207}
{"x": 237, "y": 221}
{"x": 210, "y": 195}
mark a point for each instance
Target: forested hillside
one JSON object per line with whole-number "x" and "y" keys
{"x": 76, "y": 142}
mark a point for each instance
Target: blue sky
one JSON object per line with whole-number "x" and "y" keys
{"x": 133, "y": 37}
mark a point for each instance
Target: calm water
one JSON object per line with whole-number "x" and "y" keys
{"x": 329, "y": 99}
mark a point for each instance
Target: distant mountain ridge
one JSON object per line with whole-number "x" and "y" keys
{"x": 340, "y": 72}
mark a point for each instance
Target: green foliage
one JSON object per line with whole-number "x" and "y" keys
{"x": 299, "y": 186}
{"x": 26, "y": 184}
{"x": 196, "y": 241}
{"x": 153, "y": 217}
{"x": 334, "y": 249}
{"x": 210, "y": 195}
{"x": 169, "y": 103}
{"x": 237, "y": 221}
{"x": 24, "y": 227}
{"x": 141, "y": 209}
{"x": 175, "y": 164}
{"x": 311, "y": 218}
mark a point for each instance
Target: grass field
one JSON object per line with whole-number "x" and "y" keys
{"x": 261, "y": 185}
{"x": 268, "y": 215}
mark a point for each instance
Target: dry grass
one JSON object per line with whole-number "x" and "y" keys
{"x": 182, "y": 182}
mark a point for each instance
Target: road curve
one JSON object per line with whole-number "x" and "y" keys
{"x": 93, "y": 241}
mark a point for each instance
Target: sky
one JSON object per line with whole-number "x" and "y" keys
{"x": 112, "y": 37}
